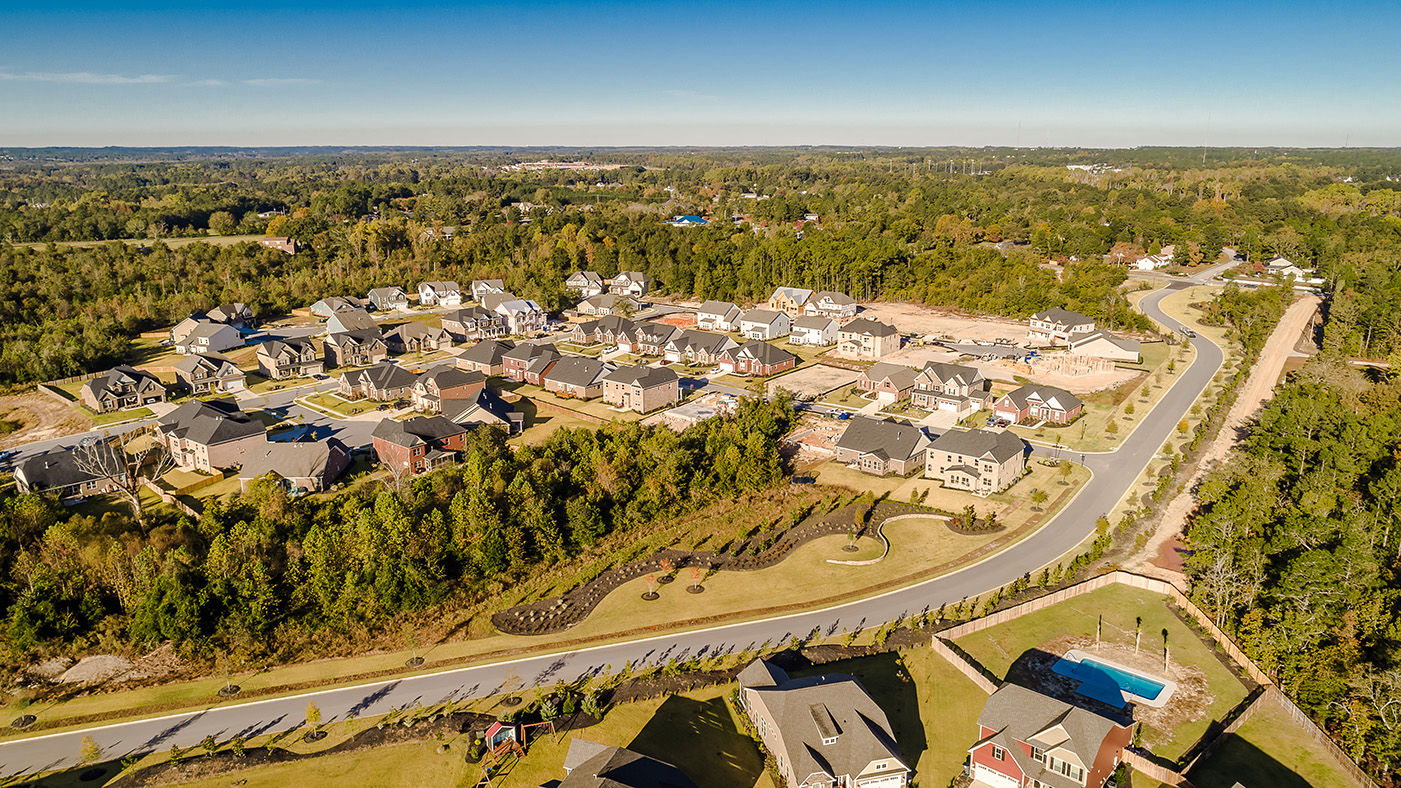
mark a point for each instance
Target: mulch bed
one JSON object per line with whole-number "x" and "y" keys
{"x": 760, "y": 551}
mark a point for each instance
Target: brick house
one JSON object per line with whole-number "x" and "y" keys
{"x": 209, "y": 436}
{"x": 210, "y": 373}
{"x": 1033, "y": 403}
{"x": 432, "y": 390}
{"x": 122, "y": 388}
{"x": 889, "y": 382}
{"x": 419, "y": 444}
{"x": 980, "y": 461}
{"x": 528, "y": 362}
{"x": 355, "y": 348}
{"x": 1026, "y": 738}
{"x": 1058, "y": 326}
{"x": 577, "y": 377}
{"x": 289, "y": 358}
{"x": 867, "y": 340}
{"x": 756, "y": 358}
{"x": 384, "y": 382}
{"x": 882, "y": 446}
{"x": 641, "y": 388}
{"x": 486, "y": 357}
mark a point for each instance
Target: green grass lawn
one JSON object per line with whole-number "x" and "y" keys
{"x": 1269, "y": 749}
{"x": 103, "y": 419}
{"x": 339, "y": 406}
{"x": 595, "y": 407}
{"x": 999, "y": 647}
{"x": 844, "y": 397}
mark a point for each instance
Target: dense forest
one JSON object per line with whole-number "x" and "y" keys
{"x": 264, "y": 575}
{"x": 890, "y": 224}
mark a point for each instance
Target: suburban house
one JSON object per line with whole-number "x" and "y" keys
{"x": 1058, "y": 326}
{"x": 69, "y": 476}
{"x": 866, "y": 339}
{"x": 756, "y": 358}
{"x": 418, "y": 444}
{"x": 614, "y": 330}
{"x": 1153, "y": 262}
{"x": 281, "y": 244}
{"x": 209, "y": 436}
{"x": 209, "y": 337}
{"x": 1034, "y": 403}
{"x": 814, "y": 331}
{"x": 289, "y": 358}
{"x": 414, "y": 336}
{"x": 882, "y": 446}
{"x": 389, "y": 299}
{"x": 980, "y": 461}
{"x": 589, "y": 765}
{"x": 485, "y": 410}
{"x": 607, "y": 304}
{"x": 355, "y": 348}
{"x": 632, "y": 283}
{"x": 718, "y": 316}
{"x": 474, "y": 322}
{"x": 350, "y": 320}
{"x": 577, "y": 377}
{"x": 889, "y": 382}
{"x": 122, "y": 388}
{"x": 822, "y": 731}
{"x": 641, "y": 388}
{"x": 209, "y": 373}
{"x": 790, "y": 300}
{"x": 236, "y": 314}
{"x": 521, "y": 315}
{"x": 1102, "y": 344}
{"x": 331, "y": 305}
{"x": 486, "y": 357}
{"x": 529, "y": 362}
{"x": 651, "y": 338}
{"x": 439, "y": 294}
{"x": 765, "y": 324}
{"x": 384, "y": 382}
{"x": 438, "y": 386}
{"x": 585, "y": 284}
{"x": 827, "y": 303}
{"x": 951, "y": 387}
{"x": 481, "y": 288}
{"x": 697, "y": 347}
{"x": 182, "y": 329}
{"x": 300, "y": 466}
{"x": 1026, "y": 738}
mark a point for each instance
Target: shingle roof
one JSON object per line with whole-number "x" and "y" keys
{"x": 866, "y": 435}
{"x": 450, "y": 377}
{"x": 487, "y": 408}
{"x": 527, "y": 350}
{"x": 1056, "y": 398}
{"x": 643, "y": 376}
{"x": 293, "y": 347}
{"x": 800, "y": 295}
{"x": 444, "y": 286}
{"x": 60, "y": 468}
{"x": 388, "y": 292}
{"x": 1020, "y": 715}
{"x": 1001, "y": 446}
{"x": 350, "y": 320}
{"x": 721, "y": 308}
{"x": 488, "y": 351}
{"x": 764, "y": 316}
{"x": 762, "y": 352}
{"x": 224, "y": 313}
{"x": 416, "y": 431}
{"x": 353, "y": 338}
{"x": 578, "y": 371}
{"x": 901, "y": 376}
{"x": 593, "y": 765}
{"x": 211, "y": 362}
{"x": 1063, "y": 316}
{"x": 381, "y": 376}
{"x": 210, "y": 422}
{"x": 1127, "y": 345}
{"x": 816, "y": 322}
{"x": 944, "y": 373}
{"x": 867, "y": 326}
{"x": 290, "y": 459}
{"x": 840, "y": 299}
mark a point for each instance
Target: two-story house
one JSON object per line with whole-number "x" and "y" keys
{"x": 1058, "y": 326}
{"x": 350, "y": 320}
{"x": 607, "y": 304}
{"x": 822, "y": 731}
{"x": 529, "y": 362}
{"x": 383, "y": 382}
{"x": 882, "y": 446}
{"x": 790, "y": 301}
{"x": 718, "y": 316}
{"x": 481, "y": 288}
{"x": 756, "y": 358}
{"x": 236, "y": 314}
{"x": 332, "y": 304}
{"x": 289, "y": 358}
{"x": 419, "y": 444}
{"x": 209, "y": 373}
{"x": 590, "y": 765}
{"x": 889, "y": 382}
{"x": 585, "y": 284}
{"x": 814, "y": 331}
{"x": 650, "y": 338}
{"x": 827, "y": 303}
{"x": 446, "y": 293}
{"x": 1030, "y": 740}
{"x": 609, "y": 330}
{"x": 1035, "y": 403}
{"x": 641, "y": 388}
{"x": 415, "y": 337}
{"x": 522, "y": 316}
{"x": 630, "y": 283}
{"x": 765, "y": 324}
{"x": 122, "y": 388}
{"x": 865, "y": 339}
{"x": 389, "y": 299}
{"x": 979, "y": 461}
{"x": 440, "y": 385}
{"x": 577, "y": 377}
{"x": 209, "y": 436}
{"x": 487, "y": 357}
{"x": 951, "y": 387}
{"x": 355, "y": 348}
{"x": 209, "y": 337}
{"x": 474, "y": 322}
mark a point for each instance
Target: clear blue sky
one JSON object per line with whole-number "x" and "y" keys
{"x": 603, "y": 73}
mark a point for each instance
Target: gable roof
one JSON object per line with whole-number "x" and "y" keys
{"x": 208, "y": 330}
{"x": 123, "y": 374}
{"x": 643, "y": 376}
{"x": 470, "y": 314}
{"x": 578, "y": 371}
{"x": 837, "y": 299}
{"x": 442, "y": 286}
{"x": 814, "y": 322}
{"x": 1021, "y": 715}
{"x": 899, "y": 375}
{"x": 584, "y": 277}
{"x": 449, "y": 378}
{"x": 381, "y": 376}
{"x": 293, "y": 347}
{"x": 210, "y": 362}
{"x": 488, "y": 351}
{"x": 942, "y": 373}
{"x": 529, "y": 350}
{"x": 1000, "y": 446}
{"x": 799, "y": 295}
{"x": 291, "y": 459}
{"x": 891, "y": 439}
{"x": 59, "y": 467}
{"x": 868, "y": 327}
{"x": 486, "y": 408}
{"x": 366, "y": 336}
{"x": 1059, "y": 399}
{"x": 700, "y": 340}
{"x": 721, "y": 308}
{"x": 764, "y": 316}
{"x": 224, "y": 313}
{"x": 762, "y": 352}
{"x": 415, "y": 330}
{"x": 593, "y": 765}
{"x": 628, "y": 277}
{"x": 416, "y": 431}
{"x": 388, "y": 292}
{"x": 210, "y": 422}
{"x": 332, "y": 304}
{"x": 1124, "y": 344}
{"x": 1063, "y": 317}
{"x": 350, "y": 320}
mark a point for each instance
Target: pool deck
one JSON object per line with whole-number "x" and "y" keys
{"x": 1126, "y": 696}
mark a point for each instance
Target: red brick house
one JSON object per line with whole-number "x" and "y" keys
{"x": 756, "y": 358}
{"x": 1027, "y": 740}
{"x": 529, "y": 362}
{"x": 418, "y": 445}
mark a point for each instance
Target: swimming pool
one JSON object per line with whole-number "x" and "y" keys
{"x": 1113, "y": 684}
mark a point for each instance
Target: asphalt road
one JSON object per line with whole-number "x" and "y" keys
{"x": 1114, "y": 474}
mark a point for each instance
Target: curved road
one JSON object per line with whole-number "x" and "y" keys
{"x": 1114, "y": 474}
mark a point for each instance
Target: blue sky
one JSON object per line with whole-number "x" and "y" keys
{"x": 601, "y": 73}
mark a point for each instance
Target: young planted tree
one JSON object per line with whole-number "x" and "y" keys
{"x": 313, "y": 719}
{"x": 89, "y": 751}
{"x": 1038, "y": 498}
{"x": 1064, "y": 467}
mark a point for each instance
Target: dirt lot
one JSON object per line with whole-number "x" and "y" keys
{"x": 815, "y": 439}
{"x": 814, "y": 381}
{"x": 912, "y": 318}
{"x": 41, "y": 417}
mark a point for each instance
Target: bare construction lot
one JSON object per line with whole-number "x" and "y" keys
{"x": 814, "y": 381}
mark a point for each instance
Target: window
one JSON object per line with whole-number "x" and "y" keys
{"x": 1037, "y": 754}
{"x": 999, "y": 753}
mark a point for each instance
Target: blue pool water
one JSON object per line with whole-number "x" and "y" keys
{"x": 1107, "y": 683}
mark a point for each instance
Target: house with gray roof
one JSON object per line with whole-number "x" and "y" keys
{"x": 529, "y": 362}
{"x": 1102, "y": 344}
{"x": 487, "y": 409}
{"x": 435, "y": 388}
{"x": 697, "y": 347}
{"x": 474, "y": 322}
{"x": 979, "y": 461}
{"x": 790, "y": 300}
{"x": 444, "y": 293}
{"x": 486, "y": 357}
{"x": 415, "y": 337}
{"x": 299, "y": 466}
{"x": 822, "y": 731}
{"x": 209, "y": 373}
{"x": 480, "y": 288}
{"x": 828, "y": 303}
{"x": 1035, "y": 403}
{"x": 62, "y": 473}
{"x": 641, "y": 388}
{"x": 585, "y": 284}
{"x": 756, "y": 358}
{"x": 577, "y": 377}
{"x": 888, "y": 382}
{"x": 236, "y": 314}
{"x": 521, "y": 315}
{"x": 718, "y": 316}
{"x": 882, "y": 446}
{"x": 122, "y": 388}
{"x": 1056, "y": 326}
{"x": 865, "y": 339}
{"x": 209, "y": 337}
{"x": 382, "y": 382}
{"x": 389, "y": 299}
{"x": 648, "y": 338}
{"x": 952, "y": 387}
{"x": 814, "y": 331}
{"x": 590, "y": 765}
{"x": 419, "y": 444}
{"x": 607, "y": 304}
{"x": 209, "y": 436}
{"x": 350, "y": 320}
{"x": 631, "y": 283}
{"x": 332, "y": 304}
{"x": 765, "y": 324}
{"x": 289, "y": 358}
{"x": 355, "y": 348}
{"x": 1026, "y": 738}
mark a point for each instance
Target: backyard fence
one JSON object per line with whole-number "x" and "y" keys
{"x": 550, "y": 407}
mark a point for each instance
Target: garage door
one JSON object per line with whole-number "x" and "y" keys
{"x": 983, "y": 774}
{"x": 946, "y": 405}
{"x": 893, "y": 781}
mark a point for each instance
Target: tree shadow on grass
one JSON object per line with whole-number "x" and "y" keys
{"x": 700, "y": 739}
{"x": 1237, "y": 761}
{"x": 890, "y": 685}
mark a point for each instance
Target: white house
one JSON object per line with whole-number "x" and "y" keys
{"x": 1057, "y": 326}
{"x": 1153, "y": 262}
{"x": 718, "y": 316}
{"x": 523, "y": 316}
{"x": 814, "y": 331}
{"x": 439, "y": 294}
{"x": 209, "y": 338}
{"x": 1102, "y": 344}
{"x": 631, "y": 283}
{"x": 586, "y": 284}
{"x": 765, "y": 324}
{"x": 482, "y": 287}
{"x": 827, "y": 303}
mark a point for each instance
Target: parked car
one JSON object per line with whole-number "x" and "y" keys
{"x": 1189, "y": 333}
{"x": 804, "y": 480}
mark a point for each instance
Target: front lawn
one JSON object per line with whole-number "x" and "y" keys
{"x": 340, "y": 406}
{"x": 1269, "y": 749}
